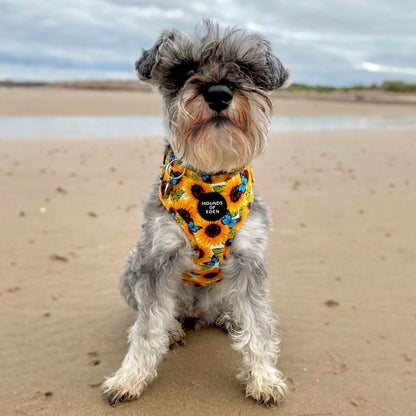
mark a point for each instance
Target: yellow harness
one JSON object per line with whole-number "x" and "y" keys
{"x": 210, "y": 209}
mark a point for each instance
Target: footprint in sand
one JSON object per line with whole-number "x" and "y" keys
{"x": 34, "y": 403}
{"x": 61, "y": 190}
{"x": 94, "y": 354}
{"x": 331, "y": 303}
{"x": 57, "y": 257}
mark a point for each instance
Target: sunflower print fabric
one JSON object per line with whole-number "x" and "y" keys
{"x": 210, "y": 209}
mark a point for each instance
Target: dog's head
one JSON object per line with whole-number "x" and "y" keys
{"x": 215, "y": 88}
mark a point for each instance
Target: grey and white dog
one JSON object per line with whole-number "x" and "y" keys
{"x": 221, "y": 133}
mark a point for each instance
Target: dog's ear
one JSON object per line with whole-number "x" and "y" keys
{"x": 148, "y": 62}
{"x": 276, "y": 76}
{"x": 145, "y": 64}
{"x": 260, "y": 64}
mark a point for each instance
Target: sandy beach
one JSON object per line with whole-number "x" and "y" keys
{"x": 341, "y": 259}
{"x": 45, "y": 101}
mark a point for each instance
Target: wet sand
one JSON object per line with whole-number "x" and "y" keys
{"x": 43, "y": 101}
{"x": 341, "y": 261}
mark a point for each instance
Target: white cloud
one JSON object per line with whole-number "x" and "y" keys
{"x": 47, "y": 73}
{"x": 373, "y": 67}
{"x": 158, "y": 13}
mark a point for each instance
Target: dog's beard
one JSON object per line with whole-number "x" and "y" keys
{"x": 210, "y": 142}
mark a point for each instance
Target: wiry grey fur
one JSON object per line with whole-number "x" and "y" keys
{"x": 151, "y": 279}
{"x": 250, "y": 52}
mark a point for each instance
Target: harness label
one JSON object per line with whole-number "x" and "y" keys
{"x": 212, "y": 206}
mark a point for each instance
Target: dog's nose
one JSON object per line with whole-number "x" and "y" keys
{"x": 218, "y": 97}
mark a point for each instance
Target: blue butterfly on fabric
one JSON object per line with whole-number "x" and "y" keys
{"x": 228, "y": 220}
{"x": 206, "y": 178}
{"x": 242, "y": 186}
{"x": 193, "y": 228}
{"x": 213, "y": 261}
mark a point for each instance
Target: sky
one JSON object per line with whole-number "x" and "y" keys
{"x": 321, "y": 42}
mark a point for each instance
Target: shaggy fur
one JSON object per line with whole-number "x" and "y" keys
{"x": 208, "y": 141}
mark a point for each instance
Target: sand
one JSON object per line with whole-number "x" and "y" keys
{"x": 341, "y": 261}
{"x": 45, "y": 101}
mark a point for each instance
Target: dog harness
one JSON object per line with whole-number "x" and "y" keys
{"x": 210, "y": 209}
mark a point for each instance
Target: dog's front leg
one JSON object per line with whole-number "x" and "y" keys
{"x": 257, "y": 337}
{"x": 154, "y": 286}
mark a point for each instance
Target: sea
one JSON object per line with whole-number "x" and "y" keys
{"x": 66, "y": 127}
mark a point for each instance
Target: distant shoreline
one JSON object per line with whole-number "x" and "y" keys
{"x": 372, "y": 94}
{"x": 84, "y": 85}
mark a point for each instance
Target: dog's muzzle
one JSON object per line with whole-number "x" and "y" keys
{"x": 218, "y": 97}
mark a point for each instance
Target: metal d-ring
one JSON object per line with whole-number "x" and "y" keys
{"x": 168, "y": 166}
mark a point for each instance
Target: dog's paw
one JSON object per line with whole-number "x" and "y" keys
{"x": 115, "y": 391}
{"x": 270, "y": 393}
{"x": 176, "y": 339}
{"x": 268, "y": 388}
{"x": 227, "y": 323}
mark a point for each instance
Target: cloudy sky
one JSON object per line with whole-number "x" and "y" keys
{"x": 331, "y": 42}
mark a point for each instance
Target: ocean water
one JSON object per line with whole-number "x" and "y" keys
{"x": 84, "y": 127}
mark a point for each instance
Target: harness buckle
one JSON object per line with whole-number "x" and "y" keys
{"x": 172, "y": 179}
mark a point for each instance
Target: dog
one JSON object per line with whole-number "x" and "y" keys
{"x": 204, "y": 231}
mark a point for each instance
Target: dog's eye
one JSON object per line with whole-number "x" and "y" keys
{"x": 190, "y": 73}
{"x": 179, "y": 74}
{"x": 244, "y": 69}
{"x": 230, "y": 85}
